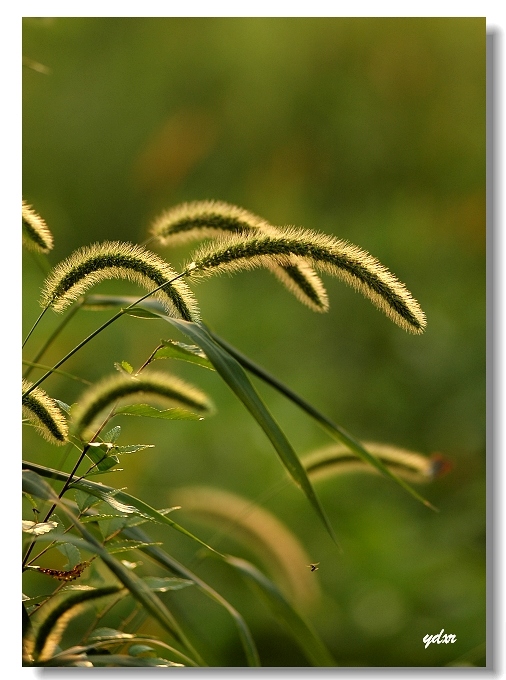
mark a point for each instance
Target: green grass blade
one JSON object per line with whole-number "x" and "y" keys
{"x": 301, "y": 630}
{"x": 336, "y": 431}
{"x": 233, "y": 374}
{"x": 124, "y": 501}
{"x": 37, "y": 486}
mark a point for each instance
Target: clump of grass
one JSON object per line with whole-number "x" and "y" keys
{"x": 36, "y": 235}
{"x": 43, "y": 412}
{"x": 112, "y": 259}
{"x": 339, "y": 258}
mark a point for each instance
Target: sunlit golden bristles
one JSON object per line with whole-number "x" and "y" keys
{"x": 337, "y": 459}
{"x": 43, "y": 412}
{"x": 154, "y": 386}
{"x": 258, "y": 530}
{"x": 216, "y": 219}
{"x": 36, "y": 235}
{"x": 116, "y": 260}
{"x": 334, "y": 256}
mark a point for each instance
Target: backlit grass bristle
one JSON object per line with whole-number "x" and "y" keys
{"x": 43, "y": 412}
{"x": 36, "y": 235}
{"x": 333, "y": 256}
{"x": 117, "y": 260}
{"x": 260, "y": 532}
{"x": 118, "y": 388}
{"x": 337, "y": 459}
{"x": 216, "y": 219}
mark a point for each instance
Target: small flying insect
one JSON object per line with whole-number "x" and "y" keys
{"x": 314, "y": 567}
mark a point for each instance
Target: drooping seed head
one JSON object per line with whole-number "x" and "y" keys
{"x": 43, "y": 412}
{"x": 36, "y": 235}
{"x": 336, "y": 257}
{"x": 337, "y": 459}
{"x": 118, "y": 388}
{"x": 116, "y": 260}
{"x": 217, "y": 219}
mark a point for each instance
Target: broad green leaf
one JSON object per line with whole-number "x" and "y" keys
{"x": 122, "y": 660}
{"x": 38, "y": 528}
{"x": 113, "y": 434}
{"x": 141, "y": 650}
{"x": 99, "y": 453}
{"x": 151, "y": 412}
{"x": 64, "y": 407}
{"x": 234, "y": 375}
{"x": 34, "y": 484}
{"x": 335, "y": 431}
{"x": 301, "y": 630}
{"x": 85, "y": 500}
{"x": 111, "y": 525}
{"x": 164, "y": 584}
{"x": 178, "y": 350}
{"x": 71, "y": 553}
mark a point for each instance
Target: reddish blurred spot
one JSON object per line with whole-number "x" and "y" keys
{"x": 439, "y": 465}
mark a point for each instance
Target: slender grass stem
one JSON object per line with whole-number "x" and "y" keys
{"x": 63, "y": 373}
{"x": 55, "y": 334}
{"x": 34, "y": 326}
{"x": 100, "y": 329}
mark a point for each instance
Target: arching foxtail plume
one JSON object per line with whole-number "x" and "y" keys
{"x": 43, "y": 412}
{"x": 36, "y": 235}
{"x": 334, "y": 256}
{"x": 261, "y": 532}
{"x": 157, "y": 386}
{"x": 214, "y": 219}
{"x": 112, "y": 259}
{"x": 336, "y": 459}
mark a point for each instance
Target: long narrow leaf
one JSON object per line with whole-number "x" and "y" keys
{"x": 336, "y": 431}
{"x": 120, "y": 500}
{"x": 301, "y": 630}
{"x": 234, "y": 375}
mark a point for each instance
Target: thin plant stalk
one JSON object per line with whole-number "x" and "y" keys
{"x": 100, "y": 329}
{"x": 54, "y": 335}
{"x": 34, "y": 326}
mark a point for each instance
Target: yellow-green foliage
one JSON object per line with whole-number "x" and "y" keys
{"x": 112, "y": 259}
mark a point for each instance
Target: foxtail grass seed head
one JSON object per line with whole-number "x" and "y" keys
{"x": 337, "y": 459}
{"x": 214, "y": 219}
{"x": 116, "y": 260}
{"x": 153, "y": 386}
{"x": 43, "y": 412}
{"x": 203, "y": 219}
{"x": 336, "y": 257}
{"x": 260, "y": 532}
{"x": 36, "y": 235}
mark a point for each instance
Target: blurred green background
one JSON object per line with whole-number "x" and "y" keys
{"x": 369, "y": 129}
